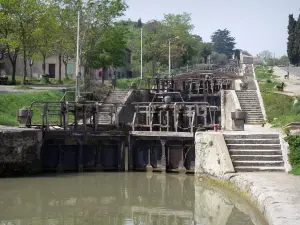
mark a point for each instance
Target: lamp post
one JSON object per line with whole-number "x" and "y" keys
{"x": 170, "y": 55}
{"x": 140, "y": 25}
{"x": 77, "y": 63}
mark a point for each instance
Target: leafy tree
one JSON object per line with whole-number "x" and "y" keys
{"x": 27, "y": 14}
{"x": 9, "y": 38}
{"x": 296, "y": 49}
{"x": 291, "y": 44}
{"x": 265, "y": 55}
{"x": 219, "y": 59}
{"x": 109, "y": 50}
{"x": 223, "y": 42}
{"x": 46, "y": 33}
{"x": 206, "y": 51}
{"x": 283, "y": 60}
{"x": 97, "y": 21}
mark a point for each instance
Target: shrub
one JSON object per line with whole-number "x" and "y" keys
{"x": 268, "y": 81}
{"x": 294, "y": 150}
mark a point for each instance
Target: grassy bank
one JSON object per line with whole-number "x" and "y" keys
{"x": 279, "y": 108}
{"x": 11, "y": 102}
{"x": 280, "y": 111}
{"x": 37, "y": 81}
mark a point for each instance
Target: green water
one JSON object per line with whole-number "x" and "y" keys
{"x": 120, "y": 198}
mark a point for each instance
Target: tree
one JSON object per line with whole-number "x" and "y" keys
{"x": 46, "y": 33}
{"x": 291, "y": 44}
{"x": 27, "y": 14}
{"x": 265, "y": 55}
{"x": 206, "y": 51}
{"x": 283, "y": 60}
{"x": 9, "y": 38}
{"x": 109, "y": 50}
{"x": 219, "y": 59}
{"x": 97, "y": 20}
{"x": 223, "y": 43}
{"x": 296, "y": 49}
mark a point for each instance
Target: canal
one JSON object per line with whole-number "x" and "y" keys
{"x": 121, "y": 198}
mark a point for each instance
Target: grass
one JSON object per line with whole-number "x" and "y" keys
{"x": 279, "y": 108}
{"x": 37, "y": 81}
{"x": 11, "y": 102}
{"x": 295, "y": 171}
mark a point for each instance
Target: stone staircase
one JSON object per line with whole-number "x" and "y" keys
{"x": 249, "y": 103}
{"x": 116, "y": 96}
{"x": 255, "y": 152}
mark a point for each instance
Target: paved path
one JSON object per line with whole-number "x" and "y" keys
{"x": 11, "y": 89}
{"x": 293, "y": 70}
{"x": 277, "y": 195}
{"x": 292, "y": 84}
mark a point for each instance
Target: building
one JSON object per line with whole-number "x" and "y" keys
{"x": 36, "y": 70}
{"x": 52, "y": 68}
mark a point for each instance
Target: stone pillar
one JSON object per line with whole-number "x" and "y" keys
{"x": 163, "y": 156}
{"x": 98, "y": 160}
{"x": 130, "y": 154}
{"x": 149, "y": 167}
{"x": 59, "y": 167}
{"x": 181, "y": 168}
{"x": 80, "y": 154}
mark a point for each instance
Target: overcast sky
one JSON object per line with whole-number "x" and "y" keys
{"x": 257, "y": 25}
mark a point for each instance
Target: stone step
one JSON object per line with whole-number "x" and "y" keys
{"x": 250, "y": 136}
{"x": 253, "y": 141}
{"x": 258, "y": 168}
{"x": 254, "y": 146}
{"x": 254, "y": 152}
{"x": 258, "y": 163}
{"x": 256, "y": 157}
{"x": 255, "y": 119}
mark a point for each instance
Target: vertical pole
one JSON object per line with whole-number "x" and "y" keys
{"x": 77, "y": 61}
{"x": 141, "y": 53}
{"x": 169, "y": 58}
{"x": 163, "y": 156}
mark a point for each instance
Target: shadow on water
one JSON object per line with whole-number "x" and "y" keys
{"x": 120, "y": 198}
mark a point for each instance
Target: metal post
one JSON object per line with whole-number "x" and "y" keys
{"x": 169, "y": 58}
{"x": 77, "y": 61}
{"x": 141, "y": 53}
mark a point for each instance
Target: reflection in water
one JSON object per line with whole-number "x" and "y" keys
{"x": 119, "y": 198}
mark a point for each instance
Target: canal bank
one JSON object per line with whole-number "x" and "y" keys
{"x": 275, "y": 194}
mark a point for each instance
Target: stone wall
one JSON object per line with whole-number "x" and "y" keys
{"x": 212, "y": 155}
{"x": 229, "y": 103}
{"x": 20, "y": 150}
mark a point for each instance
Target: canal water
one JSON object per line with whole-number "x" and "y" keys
{"x": 121, "y": 198}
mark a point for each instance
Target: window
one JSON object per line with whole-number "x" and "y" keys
{"x": 70, "y": 69}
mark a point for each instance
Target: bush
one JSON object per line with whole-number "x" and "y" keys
{"x": 294, "y": 150}
{"x": 268, "y": 81}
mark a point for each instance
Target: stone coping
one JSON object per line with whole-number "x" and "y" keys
{"x": 276, "y": 195}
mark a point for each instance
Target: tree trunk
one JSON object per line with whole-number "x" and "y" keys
{"x": 44, "y": 64}
{"x": 31, "y": 71}
{"x": 66, "y": 69}
{"x": 13, "y": 61}
{"x": 13, "y": 78}
{"x": 205, "y": 59}
{"x": 59, "y": 68}
{"x": 25, "y": 66}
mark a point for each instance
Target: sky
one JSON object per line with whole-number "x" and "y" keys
{"x": 257, "y": 25}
